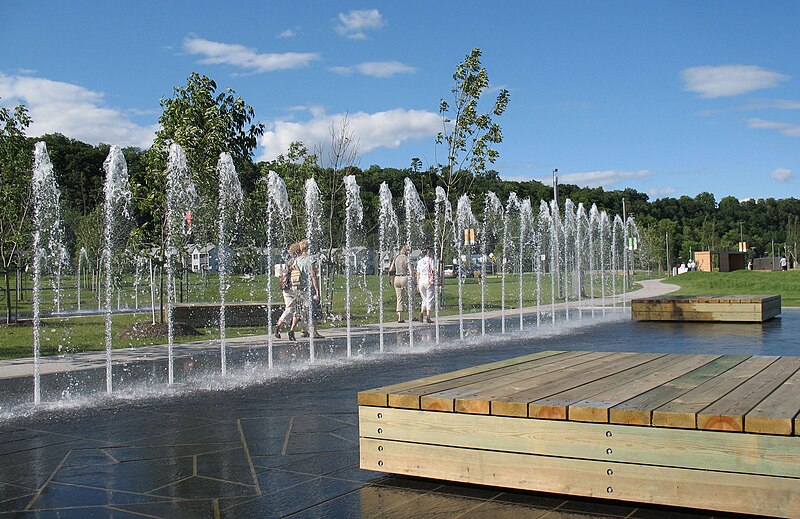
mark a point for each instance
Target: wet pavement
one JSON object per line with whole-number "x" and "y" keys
{"x": 286, "y": 443}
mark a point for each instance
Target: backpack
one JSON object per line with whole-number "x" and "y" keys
{"x": 294, "y": 273}
{"x": 286, "y": 277}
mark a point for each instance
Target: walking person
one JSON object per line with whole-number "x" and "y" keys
{"x": 426, "y": 278}
{"x": 307, "y": 281}
{"x": 400, "y": 270}
{"x": 290, "y": 292}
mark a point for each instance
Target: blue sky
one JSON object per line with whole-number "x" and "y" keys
{"x": 669, "y": 98}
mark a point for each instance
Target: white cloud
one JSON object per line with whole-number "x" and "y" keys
{"x": 217, "y": 53}
{"x": 353, "y": 24}
{"x": 788, "y": 129}
{"x": 381, "y": 69}
{"x": 729, "y": 80}
{"x": 79, "y": 113}
{"x": 777, "y": 104}
{"x": 386, "y": 129}
{"x": 661, "y": 192}
{"x": 288, "y": 33}
{"x": 604, "y": 179}
{"x": 782, "y": 174}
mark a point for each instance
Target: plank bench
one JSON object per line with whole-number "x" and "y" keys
{"x": 715, "y": 432}
{"x": 749, "y": 309}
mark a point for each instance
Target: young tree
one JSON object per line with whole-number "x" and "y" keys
{"x": 15, "y": 184}
{"x": 468, "y": 134}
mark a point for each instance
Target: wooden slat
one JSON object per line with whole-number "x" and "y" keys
{"x": 410, "y": 398}
{"x": 379, "y": 396}
{"x": 475, "y": 394}
{"x": 556, "y": 406}
{"x": 639, "y": 410}
{"x": 774, "y": 414}
{"x": 727, "y": 413}
{"x": 682, "y": 412}
{"x": 705, "y": 450}
{"x": 595, "y": 408}
{"x": 729, "y": 492}
{"x": 517, "y": 404}
{"x": 481, "y": 402}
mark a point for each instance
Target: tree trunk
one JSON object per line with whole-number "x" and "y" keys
{"x": 8, "y": 296}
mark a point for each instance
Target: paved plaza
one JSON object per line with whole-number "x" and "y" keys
{"x": 285, "y": 444}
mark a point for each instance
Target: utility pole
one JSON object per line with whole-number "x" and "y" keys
{"x": 669, "y": 270}
{"x": 555, "y": 185}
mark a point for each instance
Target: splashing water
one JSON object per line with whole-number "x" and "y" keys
{"x": 230, "y": 210}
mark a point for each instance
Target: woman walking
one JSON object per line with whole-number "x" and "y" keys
{"x": 401, "y": 272}
{"x": 291, "y": 294}
{"x": 425, "y": 281}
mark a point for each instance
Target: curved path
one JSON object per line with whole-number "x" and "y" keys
{"x": 23, "y": 367}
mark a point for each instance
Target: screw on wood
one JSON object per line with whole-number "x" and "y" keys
{"x": 380, "y": 431}
{"x": 609, "y": 490}
{"x": 609, "y": 472}
{"x": 608, "y": 451}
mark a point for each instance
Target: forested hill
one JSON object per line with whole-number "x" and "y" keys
{"x": 699, "y": 223}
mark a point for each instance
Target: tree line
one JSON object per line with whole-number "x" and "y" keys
{"x": 206, "y": 121}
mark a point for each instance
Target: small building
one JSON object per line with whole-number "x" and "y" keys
{"x": 205, "y": 258}
{"x": 721, "y": 261}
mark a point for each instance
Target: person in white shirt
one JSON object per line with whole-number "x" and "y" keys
{"x": 426, "y": 277}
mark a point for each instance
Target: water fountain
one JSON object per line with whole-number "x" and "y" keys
{"x": 388, "y": 242}
{"x": 47, "y": 240}
{"x": 181, "y": 198}
{"x": 414, "y": 214}
{"x": 313, "y": 201}
{"x": 277, "y": 206}
{"x": 512, "y": 205}
{"x": 525, "y": 220}
{"x": 442, "y": 223}
{"x": 229, "y": 210}
{"x": 542, "y": 242}
{"x": 354, "y": 216}
{"x": 573, "y": 250}
{"x": 465, "y": 221}
{"x": 116, "y": 215}
{"x": 492, "y": 216}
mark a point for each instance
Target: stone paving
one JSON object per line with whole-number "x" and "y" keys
{"x": 286, "y": 446}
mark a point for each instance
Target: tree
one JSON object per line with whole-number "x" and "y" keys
{"x": 468, "y": 134}
{"x": 15, "y": 166}
{"x": 204, "y": 123}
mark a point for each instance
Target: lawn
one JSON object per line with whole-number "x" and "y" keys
{"x": 746, "y": 282}
{"x": 86, "y": 333}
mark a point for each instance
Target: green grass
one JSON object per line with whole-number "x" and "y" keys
{"x": 86, "y": 333}
{"x": 745, "y": 282}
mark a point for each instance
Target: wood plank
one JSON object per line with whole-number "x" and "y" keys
{"x": 682, "y": 412}
{"x": 557, "y": 406}
{"x": 410, "y": 398}
{"x": 379, "y": 396}
{"x": 444, "y": 400}
{"x": 639, "y": 410}
{"x": 727, "y": 413}
{"x": 480, "y": 401}
{"x": 774, "y": 414}
{"x": 517, "y": 404}
{"x": 705, "y": 450}
{"x": 474, "y": 393}
{"x": 596, "y": 408}
{"x": 729, "y": 492}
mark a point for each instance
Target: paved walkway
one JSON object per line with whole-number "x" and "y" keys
{"x": 286, "y": 445}
{"x": 23, "y": 367}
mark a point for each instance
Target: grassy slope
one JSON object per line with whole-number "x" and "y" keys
{"x": 787, "y": 284}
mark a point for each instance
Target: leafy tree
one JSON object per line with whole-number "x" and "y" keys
{"x": 15, "y": 185}
{"x": 468, "y": 134}
{"x": 204, "y": 123}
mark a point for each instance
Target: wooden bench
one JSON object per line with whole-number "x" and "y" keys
{"x": 749, "y": 309}
{"x": 716, "y": 432}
